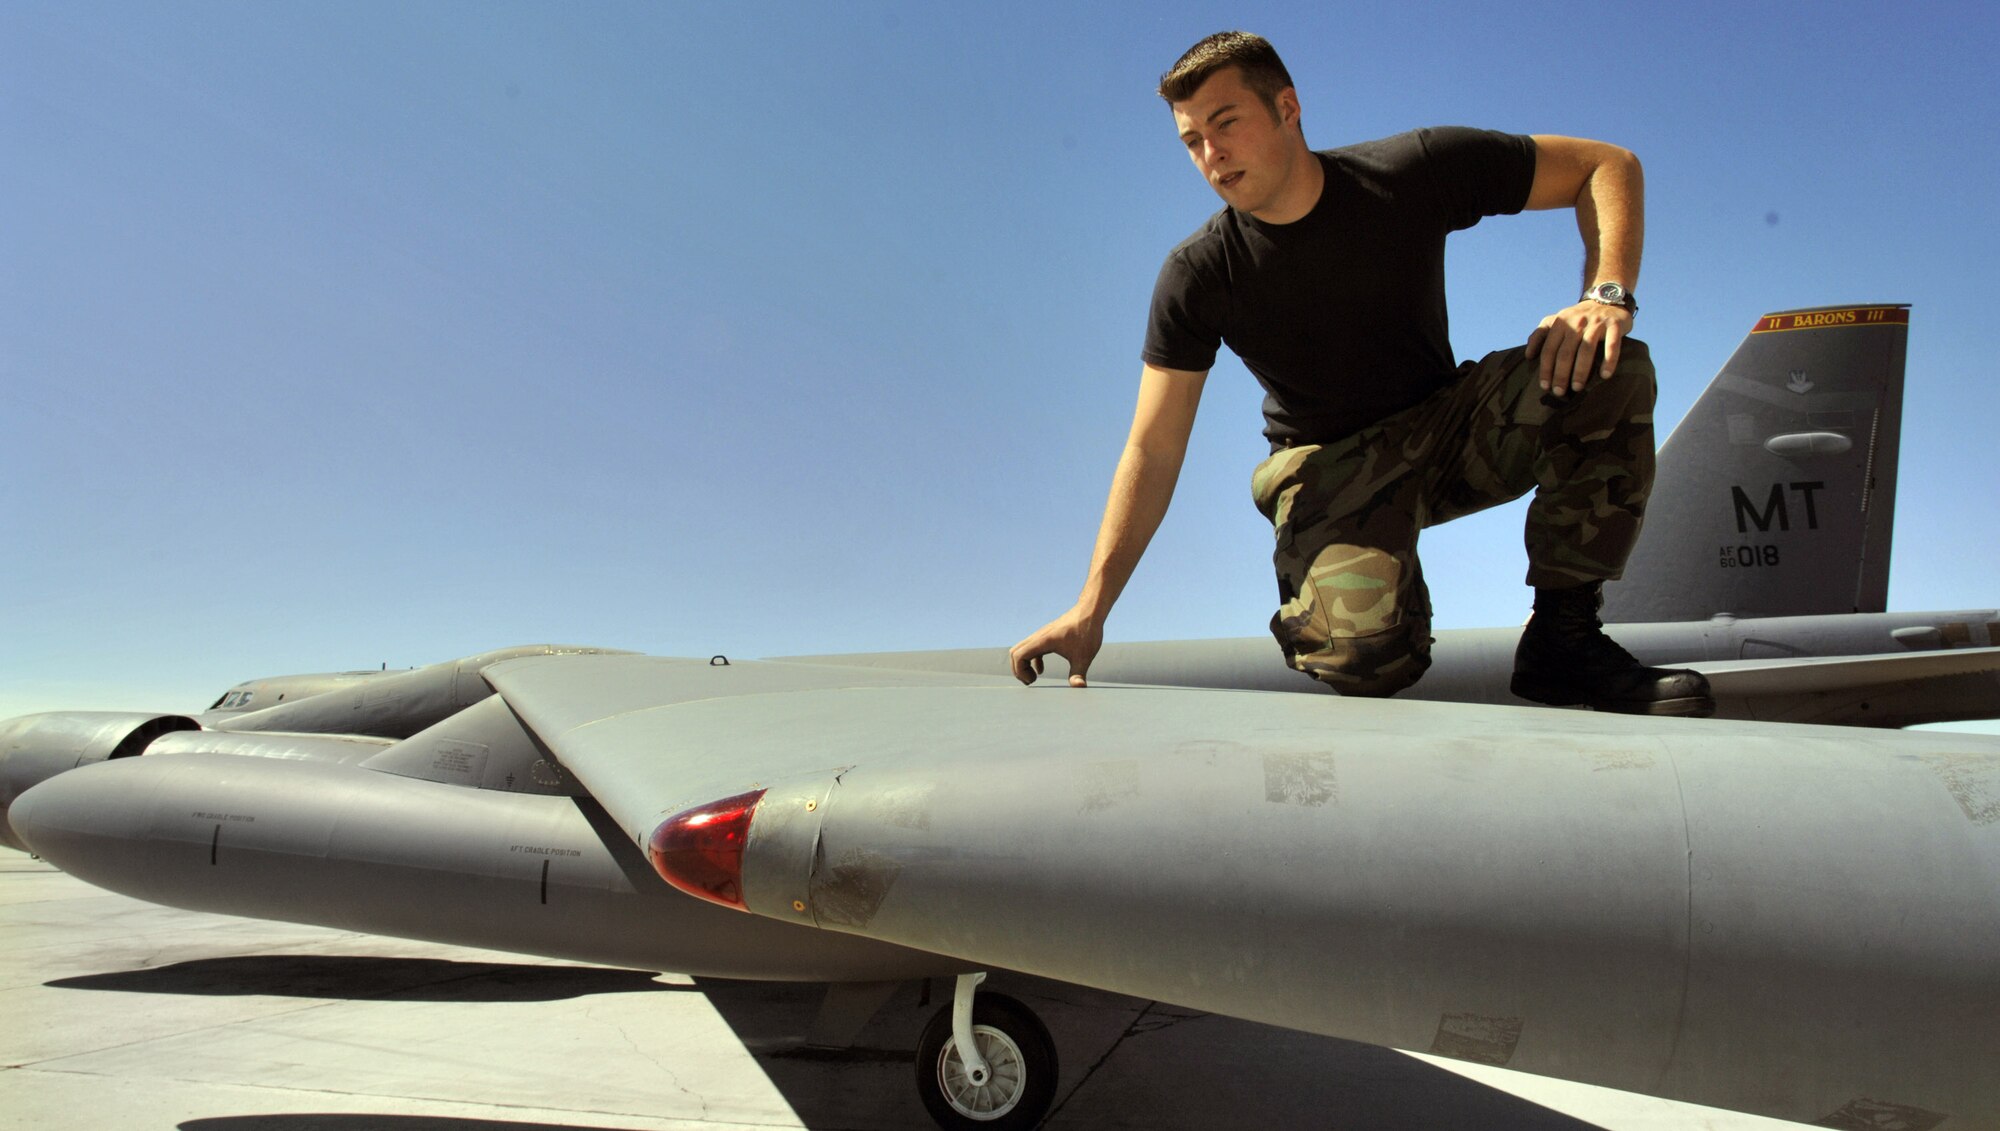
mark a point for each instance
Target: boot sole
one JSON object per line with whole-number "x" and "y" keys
{"x": 1686, "y": 707}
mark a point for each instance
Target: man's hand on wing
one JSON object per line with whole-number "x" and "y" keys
{"x": 1075, "y": 636}
{"x": 1568, "y": 343}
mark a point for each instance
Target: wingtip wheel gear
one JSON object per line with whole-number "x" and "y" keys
{"x": 1018, "y": 1081}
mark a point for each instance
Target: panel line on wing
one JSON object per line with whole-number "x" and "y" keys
{"x": 1687, "y": 929}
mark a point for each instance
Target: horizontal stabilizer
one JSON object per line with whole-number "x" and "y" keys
{"x": 1792, "y": 675}
{"x": 1891, "y": 690}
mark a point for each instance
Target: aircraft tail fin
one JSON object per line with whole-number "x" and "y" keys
{"x": 1776, "y": 496}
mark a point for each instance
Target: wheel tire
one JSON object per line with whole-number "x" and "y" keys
{"x": 1017, "y": 1048}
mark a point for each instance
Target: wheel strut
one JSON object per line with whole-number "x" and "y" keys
{"x": 986, "y": 1064}
{"x": 976, "y": 1069}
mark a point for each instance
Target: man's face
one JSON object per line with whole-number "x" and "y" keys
{"x": 1248, "y": 155}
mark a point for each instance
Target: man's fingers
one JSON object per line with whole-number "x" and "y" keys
{"x": 1078, "y": 667}
{"x": 1575, "y": 344}
{"x": 1024, "y": 661}
{"x": 1586, "y": 359}
{"x": 1028, "y": 658}
{"x": 1070, "y": 636}
{"x": 1565, "y": 365}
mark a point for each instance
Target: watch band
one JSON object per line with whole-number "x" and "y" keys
{"x": 1612, "y": 294}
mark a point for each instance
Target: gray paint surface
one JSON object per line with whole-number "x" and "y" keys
{"x": 1736, "y": 914}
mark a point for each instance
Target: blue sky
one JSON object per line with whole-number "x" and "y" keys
{"x": 334, "y": 335}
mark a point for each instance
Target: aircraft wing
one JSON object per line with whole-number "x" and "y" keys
{"x": 1895, "y": 689}
{"x": 1703, "y": 909}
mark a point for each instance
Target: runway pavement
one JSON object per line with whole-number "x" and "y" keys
{"x": 124, "y": 1016}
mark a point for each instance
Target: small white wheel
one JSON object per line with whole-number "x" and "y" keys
{"x": 1001, "y": 1091}
{"x": 1017, "y": 1050}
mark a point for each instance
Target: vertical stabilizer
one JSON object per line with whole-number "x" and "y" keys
{"x": 1777, "y": 494}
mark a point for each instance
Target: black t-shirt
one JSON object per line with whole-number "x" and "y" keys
{"x": 1340, "y": 314}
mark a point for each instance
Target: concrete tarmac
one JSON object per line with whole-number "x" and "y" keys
{"x": 125, "y": 1016}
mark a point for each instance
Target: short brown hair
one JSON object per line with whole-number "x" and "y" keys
{"x": 1263, "y": 72}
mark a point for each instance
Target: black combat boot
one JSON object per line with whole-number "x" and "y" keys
{"x": 1565, "y": 659}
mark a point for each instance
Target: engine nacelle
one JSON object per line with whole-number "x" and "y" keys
{"x": 34, "y": 748}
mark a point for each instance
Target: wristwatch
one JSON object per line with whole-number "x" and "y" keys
{"x": 1612, "y": 294}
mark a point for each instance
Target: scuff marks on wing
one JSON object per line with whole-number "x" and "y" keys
{"x": 1106, "y": 784}
{"x": 1874, "y": 1115}
{"x": 1616, "y": 759}
{"x": 1483, "y": 1040}
{"x": 1300, "y": 779}
{"x": 848, "y": 890}
{"x": 1973, "y": 780}
{"x": 906, "y": 807}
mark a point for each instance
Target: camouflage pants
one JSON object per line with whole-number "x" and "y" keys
{"x": 1353, "y": 610}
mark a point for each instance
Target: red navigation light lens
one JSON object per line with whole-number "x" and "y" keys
{"x": 700, "y": 850}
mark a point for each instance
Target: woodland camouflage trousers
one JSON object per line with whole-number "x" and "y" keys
{"x": 1353, "y": 610}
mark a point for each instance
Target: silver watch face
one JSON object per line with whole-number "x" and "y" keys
{"x": 1608, "y": 292}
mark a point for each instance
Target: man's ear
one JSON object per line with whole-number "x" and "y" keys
{"x": 1289, "y": 111}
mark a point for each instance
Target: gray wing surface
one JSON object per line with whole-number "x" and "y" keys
{"x": 1716, "y": 912}
{"x": 1789, "y": 920}
{"x": 651, "y": 736}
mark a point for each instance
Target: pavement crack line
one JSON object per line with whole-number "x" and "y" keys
{"x": 305, "y": 1006}
{"x": 1133, "y": 1028}
{"x": 1163, "y": 1021}
{"x": 673, "y": 1080}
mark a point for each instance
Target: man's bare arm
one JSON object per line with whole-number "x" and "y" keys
{"x": 1141, "y": 488}
{"x": 1607, "y": 187}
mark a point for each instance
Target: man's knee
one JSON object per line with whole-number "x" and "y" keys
{"x": 1376, "y": 665}
{"x": 1604, "y": 432}
{"x": 1633, "y": 385}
